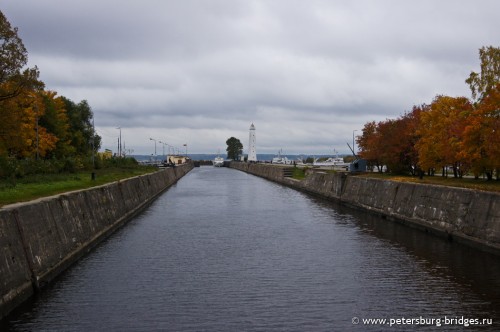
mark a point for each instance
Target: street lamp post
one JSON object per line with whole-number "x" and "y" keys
{"x": 120, "y": 142}
{"x": 163, "y": 149}
{"x": 353, "y": 149}
{"x": 93, "y": 142}
{"x": 152, "y": 139}
{"x": 37, "y": 156}
{"x": 37, "y": 139}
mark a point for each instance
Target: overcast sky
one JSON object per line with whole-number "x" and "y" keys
{"x": 306, "y": 73}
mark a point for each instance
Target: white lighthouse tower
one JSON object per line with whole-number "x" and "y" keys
{"x": 252, "y": 154}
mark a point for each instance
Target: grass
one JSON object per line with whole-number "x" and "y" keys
{"x": 33, "y": 187}
{"x": 298, "y": 173}
{"x": 468, "y": 183}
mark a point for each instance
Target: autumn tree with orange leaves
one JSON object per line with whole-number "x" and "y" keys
{"x": 37, "y": 124}
{"x": 369, "y": 145}
{"x": 451, "y": 132}
{"x": 14, "y": 78}
{"x": 441, "y": 132}
{"x": 391, "y": 143}
{"x": 481, "y": 144}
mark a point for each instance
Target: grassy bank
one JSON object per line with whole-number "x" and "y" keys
{"x": 298, "y": 173}
{"x": 450, "y": 181}
{"x": 36, "y": 186}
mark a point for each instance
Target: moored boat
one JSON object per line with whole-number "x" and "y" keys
{"x": 218, "y": 161}
{"x": 279, "y": 159}
{"x": 335, "y": 161}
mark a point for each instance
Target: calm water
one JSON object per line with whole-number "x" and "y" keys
{"x": 226, "y": 251}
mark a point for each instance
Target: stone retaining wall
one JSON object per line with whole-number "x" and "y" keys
{"x": 42, "y": 238}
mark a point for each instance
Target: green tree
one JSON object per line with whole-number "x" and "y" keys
{"x": 81, "y": 127}
{"x": 55, "y": 120}
{"x": 481, "y": 83}
{"x": 234, "y": 148}
{"x": 13, "y": 57}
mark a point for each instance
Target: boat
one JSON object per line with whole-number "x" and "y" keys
{"x": 300, "y": 161}
{"x": 218, "y": 161}
{"x": 335, "y": 161}
{"x": 280, "y": 160}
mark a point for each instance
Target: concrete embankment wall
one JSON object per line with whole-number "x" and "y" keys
{"x": 464, "y": 215}
{"x": 40, "y": 239}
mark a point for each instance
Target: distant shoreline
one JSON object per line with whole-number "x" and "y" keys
{"x": 260, "y": 157}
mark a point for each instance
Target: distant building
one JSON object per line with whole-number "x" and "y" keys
{"x": 107, "y": 154}
{"x": 177, "y": 159}
{"x": 252, "y": 154}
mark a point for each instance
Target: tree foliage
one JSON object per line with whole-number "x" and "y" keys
{"x": 369, "y": 144}
{"x": 481, "y": 144}
{"x": 441, "y": 132}
{"x": 391, "y": 143}
{"x": 14, "y": 78}
{"x": 451, "y": 132}
{"x": 46, "y": 125}
{"x": 37, "y": 123}
{"x": 234, "y": 148}
{"x": 481, "y": 83}
{"x": 81, "y": 127}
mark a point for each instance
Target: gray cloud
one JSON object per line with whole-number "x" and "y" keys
{"x": 307, "y": 73}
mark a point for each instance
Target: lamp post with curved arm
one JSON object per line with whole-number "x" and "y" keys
{"x": 152, "y": 139}
{"x": 164, "y": 156}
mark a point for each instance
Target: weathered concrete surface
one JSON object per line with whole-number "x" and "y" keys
{"x": 468, "y": 215}
{"x": 465, "y": 215}
{"x": 40, "y": 239}
{"x": 15, "y": 275}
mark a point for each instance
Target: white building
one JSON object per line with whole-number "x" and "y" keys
{"x": 252, "y": 154}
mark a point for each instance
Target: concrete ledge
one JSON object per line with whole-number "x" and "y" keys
{"x": 42, "y": 238}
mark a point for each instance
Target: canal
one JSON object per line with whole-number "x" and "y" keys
{"x": 223, "y": 250}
